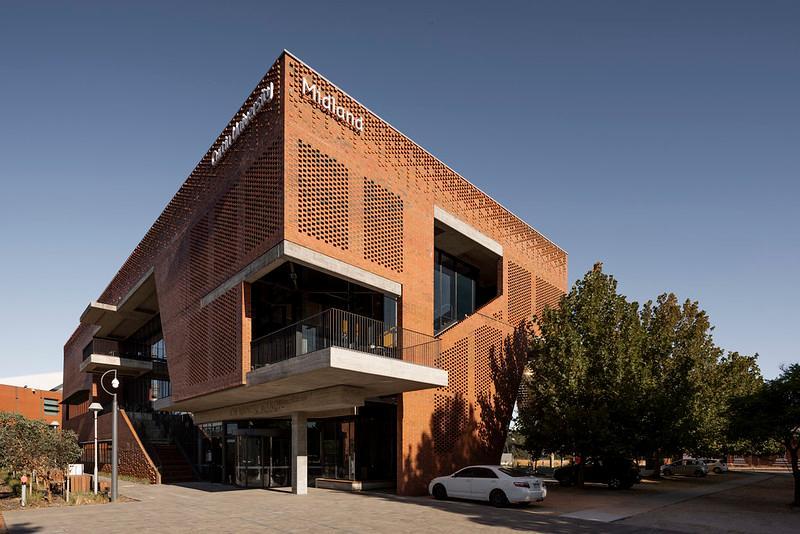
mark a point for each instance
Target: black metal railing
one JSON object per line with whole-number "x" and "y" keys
{"x": 338, "y": 328}
{"x": 113, "y": 347}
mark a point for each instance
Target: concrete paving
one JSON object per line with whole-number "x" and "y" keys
{"x": 643, "y": 502}
{"x": 211, "y": 507}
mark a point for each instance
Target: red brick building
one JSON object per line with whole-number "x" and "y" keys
{"x": 32, "y": 403}
{"x": 321, "y": 295}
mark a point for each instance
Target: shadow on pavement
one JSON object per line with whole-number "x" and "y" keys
{"x": 516, "y": 517}
{"x": 210, "y": 487}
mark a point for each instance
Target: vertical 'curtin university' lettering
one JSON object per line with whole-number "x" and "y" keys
{"x": 266, "y": 95}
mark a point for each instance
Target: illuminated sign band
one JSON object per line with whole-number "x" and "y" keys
{"x": 329, "y": 105}
{"x": 265, "y": 96}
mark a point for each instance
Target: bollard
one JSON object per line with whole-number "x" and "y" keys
{"x": 24, "y": 480}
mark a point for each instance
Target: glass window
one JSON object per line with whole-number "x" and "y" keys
{"x": 469, "y": 472}
{"x": 447, "y": 297}
{"x": 516, "y": 472}
{"x": 389, "y": 311}
{"x": 465, "y": 292}
{"x": 454, "y": 284}
{"x": 482, "y": 472}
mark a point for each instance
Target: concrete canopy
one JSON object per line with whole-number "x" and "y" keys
{"x": 120, "y": 321}
{"x": 363, "y": 376}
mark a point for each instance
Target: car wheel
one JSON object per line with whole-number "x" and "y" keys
{"x": 717, "y": 470}
{"x": 439, "y": 492}
{"x": 699, "y": 473}
{"x": 498, "y": 498}
{"x": 614, "y": 483}
{"x": 668, "y": 472}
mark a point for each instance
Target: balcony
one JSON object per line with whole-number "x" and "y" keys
{"x": 127, "y": 358}
{"x": 324, "y": 366}
{"x": 337, "y": 328}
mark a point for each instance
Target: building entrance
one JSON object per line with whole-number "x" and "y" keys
{"x": 263, "y": 458}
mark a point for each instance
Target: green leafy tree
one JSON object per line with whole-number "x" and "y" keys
{"x": 734, "y": 376}
{"x": 585, "y": 373}
{"x": 680, "y": 360}
{"x": 772, "y": 413}
{"x": 609, "y": 378}
{"x": 28, "y": 445}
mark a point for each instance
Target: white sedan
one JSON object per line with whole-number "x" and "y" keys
{"x": 498, "y": 485}
{"x": 717, "y": 465}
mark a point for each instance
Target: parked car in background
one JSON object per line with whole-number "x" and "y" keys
{"x": 716, "y": 465}
{"x": 685, "y": 467}
{"x": 493, "y": 483}
{"x": 617, "y": 473}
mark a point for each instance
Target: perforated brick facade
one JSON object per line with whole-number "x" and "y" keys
{"x": 365, "y": 197}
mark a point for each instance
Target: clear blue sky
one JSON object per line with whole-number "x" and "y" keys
{"x": 662, "y": 138}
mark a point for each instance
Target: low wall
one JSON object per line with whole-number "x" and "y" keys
{"x": 133, "y": 458}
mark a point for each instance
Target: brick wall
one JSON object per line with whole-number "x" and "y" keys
{"x": 366, "y": 198}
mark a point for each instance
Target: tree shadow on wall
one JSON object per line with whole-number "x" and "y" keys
{"x": 457, "y": 437}
{"x": 497, "y": 406}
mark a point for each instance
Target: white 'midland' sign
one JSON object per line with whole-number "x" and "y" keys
{"x": 266, "y": 95}
{"x": 329, "y": 104}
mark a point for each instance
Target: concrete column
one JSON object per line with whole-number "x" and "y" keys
{"x": 299, "y": 453}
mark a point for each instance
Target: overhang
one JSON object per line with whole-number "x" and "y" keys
{"x": 290, "y": 251}
{"x": 98, "y": 363}
{"x": 134, "y": 310}
{"x": 364, "y": 375}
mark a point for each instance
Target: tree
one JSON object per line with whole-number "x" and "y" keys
{"x": 735, "y": 376}
{"x": 680, "y": 360}
{"x": 608, "y": 378}
{"x": 28, "y": 445}
{"x": 772, "y": 413}
{"x": 497, "y": 408}
{"x": 585, "y": 373}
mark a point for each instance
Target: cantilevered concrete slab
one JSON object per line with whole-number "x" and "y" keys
{"x": 367, "y": 374}
{"x": 467, "y": 230}
{"x": 289, "y": 251}
{"x": 99, "y": 363}
{"x": 133, "y": 311}
{"x": 327, "y": 402}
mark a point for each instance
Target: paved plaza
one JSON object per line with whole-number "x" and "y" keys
{"x": 211, "y": 507}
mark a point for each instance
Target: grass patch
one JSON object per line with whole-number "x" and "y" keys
{"x": 77, "y": 499}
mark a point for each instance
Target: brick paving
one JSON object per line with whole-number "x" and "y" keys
{"x": 210, "y": 507}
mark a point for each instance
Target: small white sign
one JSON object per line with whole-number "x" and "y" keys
{"x": 74, "y": 469}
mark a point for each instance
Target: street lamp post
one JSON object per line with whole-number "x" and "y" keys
{"x": 95, "y": 407}
{"x": 114, "y": 417}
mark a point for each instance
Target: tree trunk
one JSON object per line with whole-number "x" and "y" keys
{"x": 795, "y": 474}
{"x": 657, "y": 460}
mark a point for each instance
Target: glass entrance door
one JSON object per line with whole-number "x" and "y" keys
{"x": 263, "y": 460}
{"x": 249, "y": 461}
{"x": 280, "y": 458}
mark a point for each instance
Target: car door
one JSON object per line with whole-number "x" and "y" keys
{"x": 460, "y": 483}
{"x": 483, "y": 481}
{"x": 687, "y": 467}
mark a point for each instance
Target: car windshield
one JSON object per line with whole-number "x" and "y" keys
{"x": 513, "y": 472}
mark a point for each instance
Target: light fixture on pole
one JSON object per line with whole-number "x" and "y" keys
{"x": 96, "y": 408}
{"x": 114, "y": 417}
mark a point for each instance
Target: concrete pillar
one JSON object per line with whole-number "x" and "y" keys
{"x": 299, "y": 453}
